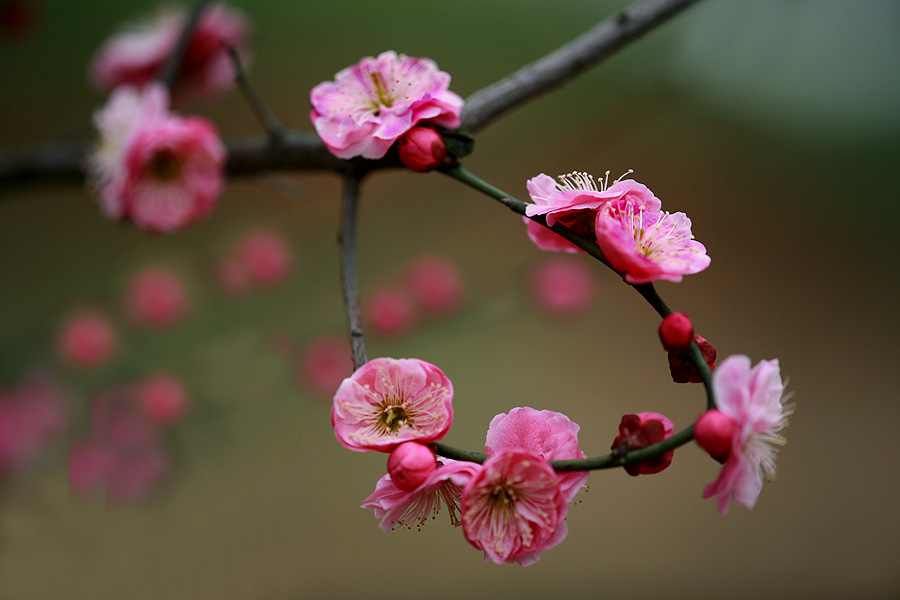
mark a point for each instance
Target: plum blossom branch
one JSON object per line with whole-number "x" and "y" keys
{"x": 172, "y": 68}
{"x": 266, "y": 117}
{"x": 347, "y": 239}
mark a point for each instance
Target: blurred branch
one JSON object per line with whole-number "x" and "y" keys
{"x": 305, "y": 151}
{"x": 168, "y": 75}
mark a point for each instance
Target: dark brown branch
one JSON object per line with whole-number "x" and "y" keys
{"x": 347, "y": 239}
{"x": 168, "y": 75}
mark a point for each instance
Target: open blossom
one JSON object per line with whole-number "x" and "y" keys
{"x": 574, "y": 200}
{"x": 389, "y": 401}
{"x": 514, "y": 508}
{"x": 547, "y": 434}
{"x": 136, "y": 56}
{"x": 752, "y": 397}
{"x": 397, "y": 507}
{"x": 643, "y": 244}
{"x": 371, "y": 104}
{"x": 160, "y": 170}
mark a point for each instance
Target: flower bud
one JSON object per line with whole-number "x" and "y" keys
{"x": 713, "y": 431}
{"x": 676, "y": 332}
{"x": 422, "y": 149}
{"x": 683, "y": 370}
{"x": 410, "y": 464}
{"x": 639, "y": 431}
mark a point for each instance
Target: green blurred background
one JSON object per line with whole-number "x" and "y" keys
{"x": 774, "y": 124}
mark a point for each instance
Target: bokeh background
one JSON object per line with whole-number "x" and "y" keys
{"x": 773, "y": 124}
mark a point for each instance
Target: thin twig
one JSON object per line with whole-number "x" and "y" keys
{"x": 347, "y": 239}
{"x": 266, "y": 117}
{"x": 172, "y": 68}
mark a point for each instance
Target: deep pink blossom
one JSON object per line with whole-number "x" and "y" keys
{"x": 371, "y": 104}
{"x": 436, "y": 284}
{"x": 513, "y": 508}
{"x": 752, "y": 397}
{"x": 547, "y": 434}
{"x": 574, "y": 200}
{"x": 643, "y": 244}
{"x": 639, "y": 431}
{"x": 136, "y": 56}
{"x": 389, "y": 401}
{"x": 561, "y": 287}
{"x": 406, "y": 509}
{"x": 156, "y": 297}
{"x": 86, "y": 339}
{"x": 410, "y": 464}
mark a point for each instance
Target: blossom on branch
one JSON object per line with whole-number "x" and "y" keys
{"x": 389, "y": 401}
{"x": 753, "y": 398}
{"x": 152, "y": 166}
{"x": 136, "y": 56}
{"x": 371, "y": 104}
{"x": 639, "y": 431}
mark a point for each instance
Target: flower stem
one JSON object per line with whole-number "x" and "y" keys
{"x": 347, "y": 240}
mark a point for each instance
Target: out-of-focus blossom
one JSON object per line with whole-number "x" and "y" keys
{"x": 156, "y": 297}
{"x": 421, "y": 149}
{"x": 410, "y": 464}
{"x": 561, "y": 287}
{"x": 406, "y": 509}
{"x": 163, "y": 398}
{"x": 547, "y": 434}
{"x": 324, "y": 363}
{"x": 136, "y": 56}
{"x": 574, "y": 200}
{"x": 371, "y": 104}
{"x": 265, "y": 255}
{"x": 153, "y": 167}
{"x": 752, "y": 397}
{"x": 513, "y": 508}
{"x": 86, "y": 339}
{"x": 32, "y": 414}
{"x": 681, "y": 367}
{"x": 390, "y": 401}
{"x": 436, "y": 284}
{"x": 639, "y": 431}
{"x": 389, "y": 311}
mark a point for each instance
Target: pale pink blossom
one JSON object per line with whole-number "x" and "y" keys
{"x": 156, "y": 297}
{"x": 638, "y": 431}
{"x": 389, "y": 401}
{"x": 644, "y": 245}
{"x": 574, "y": 200}
{"x": 406, "y": 509}
{"x": 561, "y": 287}
{"x": 410, "y": 464}
{"x": 371, "y": 104}
{"x": 86, "y": 339}
{"x": 324, "y": 363}
{"x": 436, "y": 284}
{"x": 153, "y": 167}
{"x": 136, "y": 56}
{"x": 513, "y": 508}
{"x": 547, "y": 434}
{"x": 752, "y": 397}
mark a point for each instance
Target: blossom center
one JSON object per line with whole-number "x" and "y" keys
{"x": 393, "y": 415}
{"x": 164, "y": 165}
{"x": 384, "y": 96}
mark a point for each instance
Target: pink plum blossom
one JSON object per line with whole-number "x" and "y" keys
{"x": 513, "y": 508}
{"x": 561, "y": 287}
{"x": 265, "y": 256}
{"x": 753, "y": 398}
{"x": 389, "y": 401}
{"x": 136, "y": 56}
{"x": 160, "y": 170}
{"x": 412, "y": 508}
{"x": 574, "y": 200}
{"x": 32, "y": 413}
{"x": 436, "y": 284}
{"x": 643, "y": 244}
{"x": 371, "y": 104}
{"x": 547, "y": 434}
{"x": 639, "y": 431}
{"x": 324, "y": 363}
{"x": 86, "y": 339}
{"x": 156, "y": 297}
{"x": 410, "y": 464}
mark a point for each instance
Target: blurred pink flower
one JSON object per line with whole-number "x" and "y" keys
{"x": 754, "y": 399}
{"x": 86, "y": 339}
{"x": 410, "y": 464}
{"x": 156, "y": 297}
{"x": 163, "y": 398}
{"x": 232, "y": 276}
{"x": 560, "y": 286}
{"x": 32, "y": 414}
{"x": 136, "y": 56}
{"x": 371, "y": 104}
{"x": 513, "y": 508}
{"x": 547, "y": 434}
{"x": 265, "y": 256}
{"x": 389, "y": 311}
{"x": 642, "y": 430}
{"x": 413, "y": 507}
{"x": 324, "y": 363}
{"x": 160, "y": 170}
{"x": 574, "y": 201}
{"x": 390, "y": 401}
{"x": 436, "y": 284}
{"x": 643, "y": 244}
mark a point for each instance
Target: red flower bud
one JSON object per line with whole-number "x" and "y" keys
{"x": 713, "y": 431}
{"x": 683, "y": 370}
{"x": 676, "y": 332}
{"x": 421, "y": 149}
{"x": 639, "y": 431}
